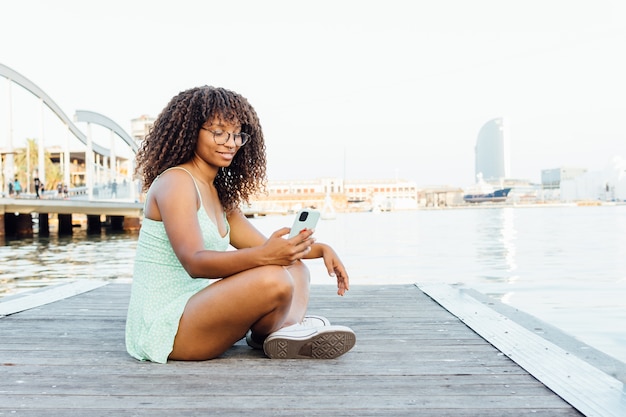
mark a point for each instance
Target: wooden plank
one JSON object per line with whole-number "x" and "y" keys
{"x": 298, "y": 403}
{"x": 222, "y": 385}
{"x": 587, "y": 388}
{"x": 48, "y": 295}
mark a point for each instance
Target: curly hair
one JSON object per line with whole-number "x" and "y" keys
{"x": 174, "y": 135}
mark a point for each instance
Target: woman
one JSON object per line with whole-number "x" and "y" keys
{"x": 192, "y": 298}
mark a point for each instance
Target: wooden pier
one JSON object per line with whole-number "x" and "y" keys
{"x": 412, "y": 358}
{"x": 16, "y": 214}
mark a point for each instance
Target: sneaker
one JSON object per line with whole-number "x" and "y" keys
{"x": 315, "y": 321}
{"x": 309, "y": 321}
{"x": 251, "y": 342}
{"x": 301, "y": 342}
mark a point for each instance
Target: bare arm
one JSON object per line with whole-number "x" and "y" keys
{"x": 334, "y": 266}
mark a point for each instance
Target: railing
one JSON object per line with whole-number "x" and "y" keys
{"x": 124, "y": 191}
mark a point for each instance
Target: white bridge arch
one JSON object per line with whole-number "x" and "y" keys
{"x": 95, "y": 154}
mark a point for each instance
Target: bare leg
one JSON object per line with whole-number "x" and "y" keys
{"x": 301, "y": 283}
{"x": 265, "y": 298}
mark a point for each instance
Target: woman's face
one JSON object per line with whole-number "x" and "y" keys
{"x": 219, "y": 141}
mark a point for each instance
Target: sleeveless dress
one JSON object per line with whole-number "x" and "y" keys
{"x": 161, "y": 287}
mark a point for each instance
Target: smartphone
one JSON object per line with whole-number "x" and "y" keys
{"x": 305, "y": 219}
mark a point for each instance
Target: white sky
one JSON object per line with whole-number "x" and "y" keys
{"x": 372, "y": 89}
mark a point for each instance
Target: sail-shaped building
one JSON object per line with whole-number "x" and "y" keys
{"x": 492, "y": 151}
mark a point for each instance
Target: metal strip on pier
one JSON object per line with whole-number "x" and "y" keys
{"x": 48, "y": 295}
{"x": 585, "y": 387}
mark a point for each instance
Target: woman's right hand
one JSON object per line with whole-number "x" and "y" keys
{"x": 281, "y": 251}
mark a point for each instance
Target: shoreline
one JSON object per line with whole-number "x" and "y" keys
{"x": 485, "y": 205}
{"x": 526, "y": 205}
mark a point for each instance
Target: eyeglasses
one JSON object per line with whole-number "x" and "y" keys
{"x": 222, "y": 137}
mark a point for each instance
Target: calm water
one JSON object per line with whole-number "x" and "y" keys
{"x": 564, "y": 265}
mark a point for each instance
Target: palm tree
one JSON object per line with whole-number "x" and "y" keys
{"x": 26, "y": 162}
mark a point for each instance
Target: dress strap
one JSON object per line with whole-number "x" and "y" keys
{"x": 192, "y": 177}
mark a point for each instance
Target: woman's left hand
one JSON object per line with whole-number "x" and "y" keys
{"x": 336, "y": 269}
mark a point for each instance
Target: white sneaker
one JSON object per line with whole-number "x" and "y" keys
{"x": 315, "y": 321}
{"x": 302, "y": 342}
{"x": 309, "y": 321}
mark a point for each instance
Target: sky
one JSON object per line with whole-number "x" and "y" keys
{"x": 355, "y": 89}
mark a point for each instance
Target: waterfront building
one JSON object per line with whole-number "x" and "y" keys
{"x": 606, "y": 185}
{"x": 383, "y": 195}
{"x": 551, "y": 180}
{"x": 492, "y": 152}
{"x": 345, "y": 195}
{"x": 441, "y": 196}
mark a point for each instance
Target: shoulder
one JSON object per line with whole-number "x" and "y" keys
{"x": 174, "y": 188}
{"x": 173, "y": 179}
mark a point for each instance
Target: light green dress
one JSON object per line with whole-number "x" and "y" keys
{"x": 161, "y": 288}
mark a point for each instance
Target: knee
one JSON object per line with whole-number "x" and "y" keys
{"x": 300, "y": 272}
{"x": 277, "y": 284}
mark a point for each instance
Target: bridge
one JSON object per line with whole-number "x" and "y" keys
{"x": 96, "y": 180}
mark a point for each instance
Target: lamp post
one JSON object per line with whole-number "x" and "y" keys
{"x": 7, "y": 169}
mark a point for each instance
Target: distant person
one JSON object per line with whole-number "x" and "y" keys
{"x": 66, "y": 191}
{"x": 60, "y": 190}
{"x": 114, "y": 189}
{"x": 10, "y": 189}
{"x": 191, "y": 297}
{"x": 17, "y": 187}
{"x": 37, "y": 185}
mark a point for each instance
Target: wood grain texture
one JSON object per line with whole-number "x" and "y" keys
{"x": 412, "y": 357}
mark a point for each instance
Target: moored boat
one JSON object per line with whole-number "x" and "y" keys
{"x": 494, "y": 197}
{"x": 482, "y": 192}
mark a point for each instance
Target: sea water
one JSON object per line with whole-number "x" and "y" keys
{"x": 565, "y": 265}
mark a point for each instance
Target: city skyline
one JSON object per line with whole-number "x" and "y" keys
{"x": 357, "y": 90}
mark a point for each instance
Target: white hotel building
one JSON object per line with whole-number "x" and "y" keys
{"x": 350, "y": 195}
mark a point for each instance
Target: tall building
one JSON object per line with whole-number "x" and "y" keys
{"x": 492, "y": 151}
{"x": 141, "y": 126}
